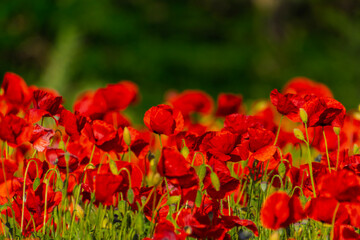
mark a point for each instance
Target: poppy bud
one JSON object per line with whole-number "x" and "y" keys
{"x": 130, "y": 195}
{"x": 282, "y": 169}
{"x": 215, "y": 181}
{"x": 59, "y": 184}
{"x": 61, "y": 145}
{"x": 113, "y": 167}
{"x": 127, "y": 136}
{"x": 198, "y": 198}
{"x": 202, "y": 172}
{"x": 174, "y": 199}
{"x": 36, "y": 183}
{"x": 337, "y": 130}
{"x": 185, "y": 151}
{"x": 139, "y": 224}
{"x": 156, "y": 179}
{"x": 298, "y": 134}
{"x": 303, "y": 115}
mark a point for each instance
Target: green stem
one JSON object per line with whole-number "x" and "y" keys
{"x": 310, "y": 161}
{"x": 161, "y": 145}
{"x": 333, "y": 221}
{"x": 338, "y": 152}
{"x": 326, "y": 149}
{"x": 278, "y": 130}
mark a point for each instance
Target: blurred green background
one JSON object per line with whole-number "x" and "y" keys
{"x": 247, "y": 47}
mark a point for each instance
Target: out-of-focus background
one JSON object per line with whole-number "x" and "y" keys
{"x": 238, "y": 46}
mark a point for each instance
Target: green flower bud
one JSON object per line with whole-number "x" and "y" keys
{"x": 36, "y": 183}
{"x": 215, "y": 181}
{"x": 337, "y": 130}
{"x": 185, "y": 151}
{"x": 298, "y": 134}
{"x": 113, "y": 167}
{"x": 303, "y": 115}
{"x": 282, "y": 169}
{"x": 198, "y": 198}
{"x": 130, "y": 196}
{"x": 202, "y": 172}
{"x": 127, "y": 136}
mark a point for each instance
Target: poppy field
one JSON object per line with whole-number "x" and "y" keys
{"x": 286, "y": 167}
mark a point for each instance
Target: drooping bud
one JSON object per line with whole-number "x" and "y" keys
{"x": 127, "y": 136}
{"x": 298, "y": 134}
{"x": 198, "y": 198}
{"x": 303, "y": 115}
{"x": 202, "y": 172}
{"x": 215, "y": 181}
{"x": 282, "y": 169}
{"x": 36, "y": 183}
{"x": 113, "y": 167}
{"x": 130, "y": 195}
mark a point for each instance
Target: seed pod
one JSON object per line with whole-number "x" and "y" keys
{"x": 139, "y": 224}
{"x": 215, "y": 181}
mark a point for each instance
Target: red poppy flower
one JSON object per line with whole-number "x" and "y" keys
{"x": 73, "y": 123}
{"x": 191, "y": 101}
{"x": 345, "y": 232}
{"x": 227, "y": 104}
{"x": 322, "y": 209}
{"x": 113, "y": 97}
{"x": 287, "y": 104}
{"x": 104, "y": 136}
{"x": 304, "y": 86}
{"x": 163, "y": 119}
{"x": 16, "y": 92}
{"x": 224, "y": 146}
{"x": 239, "y": 123}
{"x": 14, "y": 130}
{"x": 279, "y": 211}
{"x": 40, "y": 137}
{"x": 323, "y": 111}
{"x": 56, "y": 157}
{"x": 259, "y": 137}
{"x": 344, "y": 186}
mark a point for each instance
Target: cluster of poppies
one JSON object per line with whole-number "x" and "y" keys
{"x": 196, "y": 169}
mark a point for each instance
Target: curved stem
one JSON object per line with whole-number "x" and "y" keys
{"x": 23, "y": 196}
